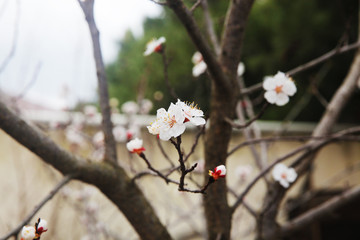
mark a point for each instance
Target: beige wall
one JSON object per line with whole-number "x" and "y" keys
{"x": 25, "y": 180}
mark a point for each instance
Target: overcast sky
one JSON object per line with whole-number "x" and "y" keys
{"x": 53, "y": 45}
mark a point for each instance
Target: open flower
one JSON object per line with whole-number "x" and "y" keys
{"x": 219, "y": 171}
{"x": 27, "y": 233}
{"x": 168, "y": 123}
{"x": 278, "y": 89}
{"x": 284, "y": 175}
{"x": 192, "y": 113}
{"x": 41, "y": 226}
{"x": 135, "y": 146}
{"x": 155, "y": 45}
{"x": 199, "y": 64}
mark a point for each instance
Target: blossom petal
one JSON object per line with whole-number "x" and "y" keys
{"x": 282, "y": 99}
{"x": 284, "y": 183}
{"x": 269, "y": 83}
{"x": 199, "y": 69}
{"x": 197, "y": 121}
{"x": 289, "y": 88}
{"x": 291, "y": 175}
{"x": 270, "y": 96}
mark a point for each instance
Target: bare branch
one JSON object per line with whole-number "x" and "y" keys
{"x": 107, "y": 126}
{"x": 194, "y": 32}
{"x": 197, "y": 4}
{"x": 239, "y": 126}
{"x": 306, "y": 66}
{"x": 323, "y": 58}
{"x": 48, "y": 197}
{"x": 210, "y": 27}
{"x": 11, "y": 54}
{"x": 321, "y": 211}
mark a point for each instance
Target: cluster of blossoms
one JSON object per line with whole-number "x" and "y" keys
{"x": 31, "y": 232}
{"x": 155, "y": 45}
{"x": 278, "y": 89}
{"x": 219, "y": 172}
{"x": 284, "y": 175}
{"x": 171, "y": 123}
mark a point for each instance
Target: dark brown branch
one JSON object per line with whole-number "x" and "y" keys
{"x": 48, "y": 197}
{"x": 107, "y": 126}
{"x": 321, "y": 211}
{"x": 109, "y": 178}
{"x": 167, "y": 180}
{"x": 194, "y": 32}
{"x": 233, "y": 36}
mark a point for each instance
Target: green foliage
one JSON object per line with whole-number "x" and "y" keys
{"x": 280, "y": 35}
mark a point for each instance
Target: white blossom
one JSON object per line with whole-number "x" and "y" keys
{"x": 168, "y": 123}
{"x": 241, "y": 69}
{"x": 284, "y": 175}
{"x": 278, "y": 89}
{"x": 130, "y": 108}
{"x": 199, "y": 64}
{"x": 155, "y": 45}
{"x": 120, "y": 134}
{"x": 145, "y": 106}
{"x": 192, "y": 113}
{"x": 28, "y": 233}
{"x": 135, "y": 146}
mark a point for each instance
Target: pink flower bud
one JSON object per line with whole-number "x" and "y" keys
{"x": 219, "y": 171}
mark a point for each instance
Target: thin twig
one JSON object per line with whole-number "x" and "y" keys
{"x": 164, "y": 153}
{"x": 239, "y": 126}
{"x": 14, "y": 40}
{"x": 306, "y": 66}
{"x": 192, "y": 9}
{"x": 48, "y": 197}
{"x": 167, "y": 180}
{"x": 31, "y": 83}
{"x": 197, "y": 137}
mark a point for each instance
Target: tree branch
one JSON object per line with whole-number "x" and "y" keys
{"x": 321, "y": 211}
{"x": 214, "y": 67}
{"x": 107, "y": 126}
{"x": 109, "y": 178}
